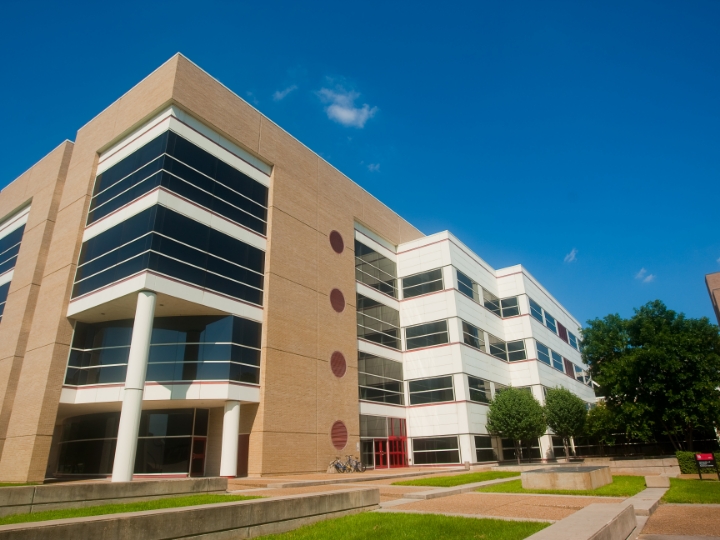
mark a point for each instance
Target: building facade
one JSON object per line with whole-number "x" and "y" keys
{"x": 188, "y": 290}
{"x": 713, "y": 286}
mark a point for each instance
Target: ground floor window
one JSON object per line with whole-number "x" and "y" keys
{"x": 429, "y": 451}
{"x": 383, "y": 441}
{"x": 486, "y": 448}
{"x": 170, "y": 441}
{"x": 508, "y": 449}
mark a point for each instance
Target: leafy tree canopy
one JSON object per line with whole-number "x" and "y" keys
{"x": 602, "y": 424}
{"x": 517, "y": 415}
{"x": 659, "y": 371}
{"x": 565, "y": 413}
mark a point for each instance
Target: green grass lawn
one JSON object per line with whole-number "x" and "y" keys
{"x": 458, "y": 480}
{"x": 692, "y": 492}
{"x": 191, "y": 500}
{"x": 412, "y": 527}
{"x": 622, "y": 486}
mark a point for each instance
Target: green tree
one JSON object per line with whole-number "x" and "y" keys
{"x": 566, "y": 414}
{"x": 659, "y": 372}
{"x": 602, "y": 424}
{"x": 516, "y": 414}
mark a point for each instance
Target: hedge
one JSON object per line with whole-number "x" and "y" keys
{"x": 686, "y": 460}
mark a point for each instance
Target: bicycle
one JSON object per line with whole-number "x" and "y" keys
{"x": 340, "y": 466}
{"x": 355, "y": 464}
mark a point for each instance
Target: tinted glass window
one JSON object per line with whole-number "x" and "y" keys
{"x": 164, "y": 241}
{"x": 380, "y": 379}
{"x": 423, "y": 283}
{"x": 473, "y": 336}
{"x": 479, "y": 390}
{"x": 375, "y": 270}
{"x": 536, "y": 311}
{"x": 426, "y": 335}
{"x": 180, "y": 166}
{"x": 467, "y": 286}
{"x": 377, "y": 322}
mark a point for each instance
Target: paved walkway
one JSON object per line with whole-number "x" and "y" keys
{"x": 505, "y": 505}
{"x": 688, "y": 520}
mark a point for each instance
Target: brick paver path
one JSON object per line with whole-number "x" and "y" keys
{"x": 685, "y": 519}
{"x": 540, "y": 507}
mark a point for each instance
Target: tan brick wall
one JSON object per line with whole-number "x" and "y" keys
{"x": 300, "y": 397}
{"x": 713, "y": 284}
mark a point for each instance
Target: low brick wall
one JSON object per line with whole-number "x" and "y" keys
{"x": 240, "y": 519}
{"x": 28, "y": 499}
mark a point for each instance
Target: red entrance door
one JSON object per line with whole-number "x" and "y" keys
{"x": 381, "y": 454}
{"x": 397, "y": 443}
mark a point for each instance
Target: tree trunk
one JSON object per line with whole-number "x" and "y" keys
{"x": 689, "y": 438}
{"x": 517, "y": 451}
{"x": 567, "y": 451}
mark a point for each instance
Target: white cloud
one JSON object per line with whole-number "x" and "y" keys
{"x": 342, "y": 109}
{"x": 251, "y": 97}
{"x": 643, "y": 276}
{"x": 572, "y": 256}
{"x": 373, "y": 167}
{"x": 279, "y": 95}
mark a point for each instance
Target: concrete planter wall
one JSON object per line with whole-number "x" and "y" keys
{"x": 241, "y": 519}
{"x": 28, "y": 499}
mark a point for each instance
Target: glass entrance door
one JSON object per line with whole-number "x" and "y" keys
{"x": 381, "y": 454}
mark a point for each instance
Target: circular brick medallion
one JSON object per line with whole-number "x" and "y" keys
{"x": 338, "y": 364}
{"x": 339, "y": 435}
{"x": 337, "y": 242}
{"x": 337, "y": 300}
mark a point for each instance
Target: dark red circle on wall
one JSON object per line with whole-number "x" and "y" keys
{"x": 337, "y": 242}
{"x": 339, "y": 435}
{"x": 337, "y": 300}
{"x": 338, "y": 364}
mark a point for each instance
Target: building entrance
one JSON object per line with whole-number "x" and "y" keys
{"x": 389, "y": 451}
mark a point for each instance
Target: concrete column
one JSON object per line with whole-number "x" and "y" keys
{"x": 134, "y": 386}
{"x": 230, "y": 435}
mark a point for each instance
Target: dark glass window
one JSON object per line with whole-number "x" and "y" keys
{"x": 375, "y": 270}
{"x": 178, "y": 165}
{"x": 543, "y": 353}
{"x": 536, "y": 311}
{"x": 9, "y": 249}
{"x": 436, "y": 450}
{"x": 380, "y": 379}
{"x": 573, "y": 341}
{"x": 87, "y": 446}
{"x": 479, "y": 390}
{"x": 373, "y": 426}
{"x": 181, "y": 349}
{"x": 166, "y": 242}
{"x": 509, "y": 307}
{"x": 468, "y": 287}
{"x": 435, "y": 390}
{"x": 423, "y": 283}
{"x": 498, "y": 348}
{"x": 4, "y": 288}
{"x": 492, "y": 302}
{"x": 550, "y": 322}
{"x": 509, "y": 453}
{"x": 377, "y": 322}
{"x": 473, "y": 336}
{"x": 426, "y": 335}
{"x": 557, "y": 361}
{"x": 516, "y": 350}
{"x": 484, "y": 448}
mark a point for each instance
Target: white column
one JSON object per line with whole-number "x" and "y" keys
{"x": 134, "y": 386}
{"x": 230, "y": 435}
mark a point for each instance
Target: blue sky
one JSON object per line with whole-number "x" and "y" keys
{"x": 580, "y": 139}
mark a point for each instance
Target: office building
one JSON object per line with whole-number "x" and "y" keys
{"x": 188, "y": 290}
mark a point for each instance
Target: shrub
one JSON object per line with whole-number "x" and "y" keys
{"x": 686, "y": 460}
